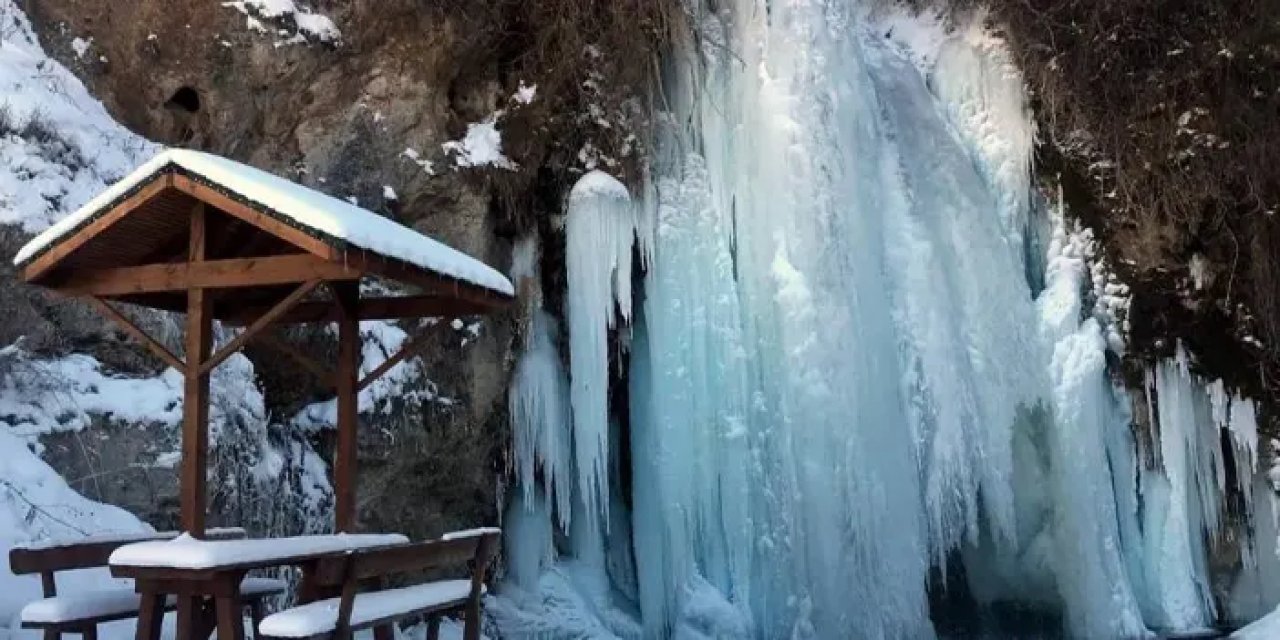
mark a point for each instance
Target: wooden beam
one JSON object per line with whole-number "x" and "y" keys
{"x": 137, "y": 333}
{"x": 237, "y": 209}
{"x": 195, "y": 399}
{"x": 429, "y": 281}
{"x": 397, "y": 308}
{"x": 212, "y": 274}
{"x": 284, "y": 348}
{"x": 415, "y": 345}
{"x": 347, "y": 296}
{"x": 67, "y": 245}
{"x": 258, "y": 325}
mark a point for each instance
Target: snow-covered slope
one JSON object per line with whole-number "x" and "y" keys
{"x": 58, "y": 145}
{"x": 36, "y": 504}
{"x": 58, "y": 149}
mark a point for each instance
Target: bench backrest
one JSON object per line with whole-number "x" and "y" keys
{"x": 349, "y": 570}
{"x": 366, "y": 564}
{"x": 48, "y": 558}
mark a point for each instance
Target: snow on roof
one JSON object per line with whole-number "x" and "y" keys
{"x": 323, "y": 215}
{"x": 471, "y": 533}
{"x": 185, "y": 552}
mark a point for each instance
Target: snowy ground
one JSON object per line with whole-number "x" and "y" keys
{"x": 1265, "y": 628}
{"x": 58, "y": 147}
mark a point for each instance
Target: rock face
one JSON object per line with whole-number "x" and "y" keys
{"x": 363, "y": 115}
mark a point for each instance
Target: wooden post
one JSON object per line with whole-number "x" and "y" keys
{"x": 195, "y": 398}
{"x": 347, "y": 297}
{"x": 195, "y": 417}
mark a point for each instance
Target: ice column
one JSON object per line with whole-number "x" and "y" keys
{"x": 600, "y": 236}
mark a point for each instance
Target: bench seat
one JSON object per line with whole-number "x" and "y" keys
{"x": 320, "y": 618}
{"x": 118, "y": 603}
{"x": 85, "y": 605}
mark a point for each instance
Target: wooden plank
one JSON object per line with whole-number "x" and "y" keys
{"x": 67, "y": 245}
{"x": 322, "y": 373}
{"x": 151, "y": 617}
{"x": 195, "y": 398}
{"x": 347, "y": 297}
{"x": 137, "y": 333}
{"x": 212, "y": 274}
{"x": 405, "y": 558}
{"x": 485, "y": 550}
{"x": 342, "y": 631}
{"x": 392, "y": 308}
{"x": 258, "y": 325}
{"x": 229, "y": 607}
{"x": 257, "y": 218}
{"x": 415, "y": 345}
{"x": 429, "y": 281}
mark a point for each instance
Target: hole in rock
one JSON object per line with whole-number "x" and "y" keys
{"x": 186, "y": 99}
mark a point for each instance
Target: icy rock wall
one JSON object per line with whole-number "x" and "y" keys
{"x": 860, "y": 349}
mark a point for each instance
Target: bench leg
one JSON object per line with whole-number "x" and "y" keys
{"x": 150, "y": 616}
{"x": 90, "y": 633}
{"x": 257, "y": 611}
{"x": 471, "y": 630}
{"x": 191, "y": 618}
{"x": 382, "y": 632}
{"x": 433, "y": 628}
{"x": 50, "y": 634}
{"x": 230, "y": 618}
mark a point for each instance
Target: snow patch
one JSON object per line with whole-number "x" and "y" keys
{"x": 481, "y": 147}
{"x": 81, "y": 46}
{"x": 308, "y": 24}
{"x": 525, "y": 93}
{"x": 415, "y": 157}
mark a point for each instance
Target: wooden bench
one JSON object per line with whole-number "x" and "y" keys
{"x": 82, "y": 612}
{"x": 339, "y": 617}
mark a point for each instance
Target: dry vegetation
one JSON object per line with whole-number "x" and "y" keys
{"x": 1162, "y": 121}
{"x": 594, "y": 63}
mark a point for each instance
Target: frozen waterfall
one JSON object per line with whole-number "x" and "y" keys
{"x": 839, "y": 360}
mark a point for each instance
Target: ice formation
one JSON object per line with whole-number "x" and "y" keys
{"x": 600, "y": 232}
{"x": 862, "y": 351}
{"x": 539, "y": 399}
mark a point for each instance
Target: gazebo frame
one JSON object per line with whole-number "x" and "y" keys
{"x": 179, "y": 242}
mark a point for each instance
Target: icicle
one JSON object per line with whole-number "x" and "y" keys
{"x": 540, "y": 418}
{"x": 539, "y": 395}
{"x": 600, "y": 235}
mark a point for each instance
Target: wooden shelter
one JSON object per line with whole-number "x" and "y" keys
{"x": 199, "y": 234}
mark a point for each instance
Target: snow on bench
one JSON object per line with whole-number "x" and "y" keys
{"x": 109, "y": 538}
{"x": 85, "y": 605}
{"x": 321, "y": 617}
{"x": 300, "y": 206}
{"x": 355, "y": 611}
{"x": 185, "y": 552}
{"x": 119, "y": 602}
